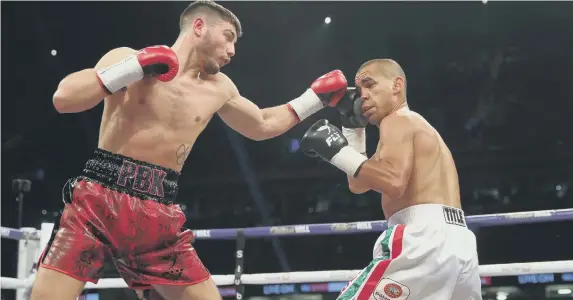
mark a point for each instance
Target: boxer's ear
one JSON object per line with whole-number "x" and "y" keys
{"x": 398, "y": 85}
{"x": 199, "y": 26}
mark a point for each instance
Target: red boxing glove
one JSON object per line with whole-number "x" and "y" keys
{"x": 158, "y": 61}
{"x": 330, "y": 87}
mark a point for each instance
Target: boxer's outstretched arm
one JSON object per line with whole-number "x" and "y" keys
{"x": 389, "y": 170}
{"x": 82, "y": 90}
{"x": 255, "y": 123}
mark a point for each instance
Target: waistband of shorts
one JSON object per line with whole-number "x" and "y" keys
{"x": 428, "y": 214}
{"x": 131, "y": 176}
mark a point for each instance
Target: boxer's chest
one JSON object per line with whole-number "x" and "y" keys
{"x": 185, "y": 105}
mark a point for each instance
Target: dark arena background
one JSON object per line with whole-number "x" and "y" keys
{"x": 495, "y": 79}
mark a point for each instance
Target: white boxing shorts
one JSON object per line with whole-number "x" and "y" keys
{"x": 427, "y": 253}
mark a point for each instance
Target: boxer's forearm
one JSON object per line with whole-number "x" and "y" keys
{"x": 277, "y": 120}
{"x": 78, "y": 92}
{"x": 381, "y": 177}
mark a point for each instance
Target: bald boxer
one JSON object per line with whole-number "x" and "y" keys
{"x": 157, "y": 101}
{"x": 427, "y": 252}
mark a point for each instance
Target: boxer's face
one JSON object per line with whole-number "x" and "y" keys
{"x": 377, "y": 92}
{"x": 217, "y": 46}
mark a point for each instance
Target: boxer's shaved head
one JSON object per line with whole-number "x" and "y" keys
{"x": 210, "y": 11}
{"x": 382, "y": 86}
{"x": 388, "y": 68}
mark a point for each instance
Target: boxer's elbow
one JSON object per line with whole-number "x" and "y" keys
{"x": 394, "y": 188}
{"x": 77, "y": 92}
{"x": 382, "y": 177}
{"x": 356, "y": 188}
{"x": 64, "y": 96}
{"x": 59, "y": 100}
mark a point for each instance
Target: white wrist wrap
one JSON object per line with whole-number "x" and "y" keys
{"x": 306, "y": 105}
{"x": 356, "y": 138}
{"x": 348, "y": 160}
{"x": 121, "y": 74}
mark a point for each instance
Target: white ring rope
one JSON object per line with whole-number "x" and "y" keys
{"x": 323, "y": 276}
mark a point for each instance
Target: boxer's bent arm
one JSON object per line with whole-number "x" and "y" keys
{"x": 357, "y": 187}
{"x": 82, "y": 90}
{"x": 254, "y": 123}
{"x": 389, "y": 170}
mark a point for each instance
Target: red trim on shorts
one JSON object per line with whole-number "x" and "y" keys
{"x": 94, "y": 281}
{"x": 397, "y": 240}
{"x": 293, "y": 112}
{"x": 380, "y": 269}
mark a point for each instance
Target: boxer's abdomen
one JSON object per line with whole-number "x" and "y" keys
{"x": 158, "y": 122}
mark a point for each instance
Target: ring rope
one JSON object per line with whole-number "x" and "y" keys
{"x": 322, "y": 276}
{"x": 525, "y": 217}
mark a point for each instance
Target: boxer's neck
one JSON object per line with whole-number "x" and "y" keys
{"x": 398, "y": 107}
{"x": 189, "y": 61}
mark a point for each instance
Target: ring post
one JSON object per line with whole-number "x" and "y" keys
{"x": 239, "y": 287}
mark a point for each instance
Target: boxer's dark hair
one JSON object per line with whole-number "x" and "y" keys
{"x": 209, "y": 7}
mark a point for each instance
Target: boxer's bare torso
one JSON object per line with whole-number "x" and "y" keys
{"x": 158, "y": 122}
{"x": 434, "y": 178}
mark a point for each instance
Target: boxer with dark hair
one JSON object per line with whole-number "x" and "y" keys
{"x": 427, "y": 252}
{"x": 157, "y": 101}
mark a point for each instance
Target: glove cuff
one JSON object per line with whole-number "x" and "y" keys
{"x": 348, "y": 160}
{"x": 121, "y": 74}
{"x": 356, "y": 138}
{"x": 306, "y": 105}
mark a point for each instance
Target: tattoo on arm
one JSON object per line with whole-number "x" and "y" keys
{"x": 182, "y": 153}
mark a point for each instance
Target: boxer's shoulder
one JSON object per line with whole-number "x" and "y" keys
{"x": 226, "y": 86}
{"x": 398, "y": 122}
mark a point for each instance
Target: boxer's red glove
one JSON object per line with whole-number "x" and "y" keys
{"x": 158, "y": 61}
{"x": 328, "y": 89}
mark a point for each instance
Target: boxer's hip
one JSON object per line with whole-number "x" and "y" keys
{"x": 126, "y": 175}
{"x": 430, "y": 227}
{"x": 429, "y": 214}
{"x": 124, "y": 204}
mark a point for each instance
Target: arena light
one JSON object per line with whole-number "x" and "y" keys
{"x": 54, "y": 52}
{"x": 327, "y": 20}
{"x": 501, "y": 296}
{"x": 564, "y": 291}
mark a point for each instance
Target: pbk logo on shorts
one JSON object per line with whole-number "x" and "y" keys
{"x": 145, "y": 179}
{"x": 388, "y": 289}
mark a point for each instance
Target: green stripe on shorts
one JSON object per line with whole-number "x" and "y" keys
{"x": 356, "y": 284}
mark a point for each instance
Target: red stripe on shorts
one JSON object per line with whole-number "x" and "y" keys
{"x": 379, "y": 270}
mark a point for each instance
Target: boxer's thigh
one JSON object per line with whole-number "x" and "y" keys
{"x": 176, "y": 271}
{"x": 164, "y": 255}
{"x": 205, "y": 290}
{"x": 50, "y": 284}
{"x": 469, "y": 282}
{"x": 72, "y": 256}
{"x": 413, "y": 265}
